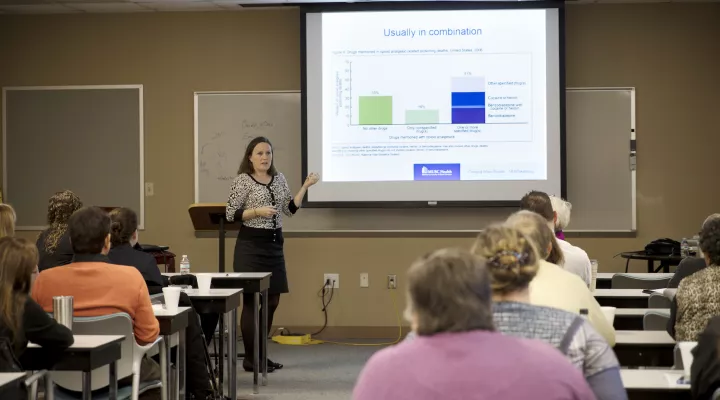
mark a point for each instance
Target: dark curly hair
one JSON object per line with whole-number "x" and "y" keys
{"x": 60, "y": 207}
{"x": 710, "y": 240}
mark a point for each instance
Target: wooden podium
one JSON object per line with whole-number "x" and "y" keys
{"x": 211, "y": 217}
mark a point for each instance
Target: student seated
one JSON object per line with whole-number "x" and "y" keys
{"x": 553, "y": 286}
{"x": 54, "y": 242}
{"x": 513, "y": 262}
{"x": 576, "y": 259}
{"x": 7, "y": 220}
{"x": 705, "y": 369}
{"x": 698, "y": 297}
{"x": 690, "y": 265}
{"x": 98, "y": 286}
{"x": 456, "y": 353}
{"x": 21, "y": 318}
{"x": 562, "y": 209}
{"x": 124, "y": 237}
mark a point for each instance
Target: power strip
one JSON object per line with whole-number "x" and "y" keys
{"x": 296, "y": 339}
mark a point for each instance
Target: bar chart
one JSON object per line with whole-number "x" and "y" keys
{"x": 468, "y": 95}
{"x": 466, "y": 102}
{"x": 375, "y": 110}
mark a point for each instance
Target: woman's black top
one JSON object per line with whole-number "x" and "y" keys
{"x": 62, "y": 255}
{"x": 38, "y": 327}
{"x": 124, "y": 254}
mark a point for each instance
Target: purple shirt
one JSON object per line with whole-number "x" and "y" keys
{"x": 477, "y": 365}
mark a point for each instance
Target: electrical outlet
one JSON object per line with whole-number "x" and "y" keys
{"x": 334, "y": 280}
{"x": 149, "y": 189}
{"x": 392, "y": 281}
{"x": 364, "y": 280}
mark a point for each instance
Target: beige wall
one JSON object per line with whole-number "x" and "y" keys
{"x": 669, "y": 52}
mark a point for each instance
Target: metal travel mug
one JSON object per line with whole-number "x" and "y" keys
{"x": 63, "y": 310}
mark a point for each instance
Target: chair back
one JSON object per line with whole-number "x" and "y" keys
{"x": 627, "y": 281}
{"x": 716, "y": 395}
{"x": 657, "y": 300}
{"x": 655, "y": 321}
{"x": 157, "y": 299}
{"x": 187, "y": 279}
{"x": 112, "y": 324}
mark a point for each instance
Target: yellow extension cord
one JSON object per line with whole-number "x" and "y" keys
{"x": 399, "y": 338}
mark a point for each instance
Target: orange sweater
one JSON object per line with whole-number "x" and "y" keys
{"x": 100, "y": 288}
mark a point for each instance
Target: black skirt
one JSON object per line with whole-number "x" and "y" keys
{"x": 255, "y": 253}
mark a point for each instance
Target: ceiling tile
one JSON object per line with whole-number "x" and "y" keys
{"x": 37, "y": 9}
{"x": 71, "y": 2}
{"x": 180, "y": 6}
{"x": 109, "y": 7}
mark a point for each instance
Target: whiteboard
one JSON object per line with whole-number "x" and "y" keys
{"x": 601, "y": 185}
{"x": 225, "y": 122}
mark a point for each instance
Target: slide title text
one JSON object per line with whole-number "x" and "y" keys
{"x": 411, "y": 33}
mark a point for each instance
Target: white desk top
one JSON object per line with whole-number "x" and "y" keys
{"x": 231, "y": 275}
{"x": 10, "y": 377}
{"x": 643, "y": 338}
{"x": 89, "y": 342}
{"x": 620, "y": 293}
{"x": 160, "y": 311}
{"x": 638, "y": 312}
{"x": 652, "y": 379}
{"x": 660, "y": 275}
{"x": 212, "y": 293}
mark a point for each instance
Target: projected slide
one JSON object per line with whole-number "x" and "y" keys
{"x": 456, "y": 95}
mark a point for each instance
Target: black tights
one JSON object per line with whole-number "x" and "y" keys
{"x": 247, "y": 320}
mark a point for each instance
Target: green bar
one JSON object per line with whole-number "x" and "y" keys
{"x": 422, "y": 116}
{"x": 375, "y": 110}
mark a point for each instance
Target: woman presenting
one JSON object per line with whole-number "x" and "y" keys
{"x": 258, "y": 196}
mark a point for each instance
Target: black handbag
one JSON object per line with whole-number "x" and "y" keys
{"x": 663, "y": 247}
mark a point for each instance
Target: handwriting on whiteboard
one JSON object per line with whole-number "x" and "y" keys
{"x": 220, "y": 156}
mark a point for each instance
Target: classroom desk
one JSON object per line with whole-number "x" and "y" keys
{"x": 665, "y": 261}
{"x": 9, "y": 378}
{"x": 654, "y": 384}
{"x": 225, "y": 302}
{"x": 604, "y": 279}
{"x": 622, "y": 298}
{"x": 631, "y": 319}
{"x": 256, "y": 283}
{"x": 171, "y": 323}
{"x": 644, "y": 348}
{"x": 86, "y": 354}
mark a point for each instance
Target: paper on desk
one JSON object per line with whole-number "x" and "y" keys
{"x": 674, "y": 379}
{"x": 158, "y": 307}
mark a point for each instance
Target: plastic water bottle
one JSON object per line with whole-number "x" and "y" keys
{"x": 184, "y": 265}
{"x": 684, "y": 248}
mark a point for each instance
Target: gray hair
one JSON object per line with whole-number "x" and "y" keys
{"x": 709, "y": 219}
{"x": 563, "y": 209}
{"x": 449, "y": 291}
{"x": 536, "y": 229}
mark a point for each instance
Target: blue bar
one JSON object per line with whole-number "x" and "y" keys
{"x": 473, "y": 99}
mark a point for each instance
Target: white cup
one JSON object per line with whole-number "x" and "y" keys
{"x": 609, "y": 313}
{"x": 172, "y": 297}
{"x": 687, "y": 356}
{"x": 204, "y": 281}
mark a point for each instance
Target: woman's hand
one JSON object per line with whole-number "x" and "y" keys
{"x": 311, "y": 179}
{"x": 265, "y": 212}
